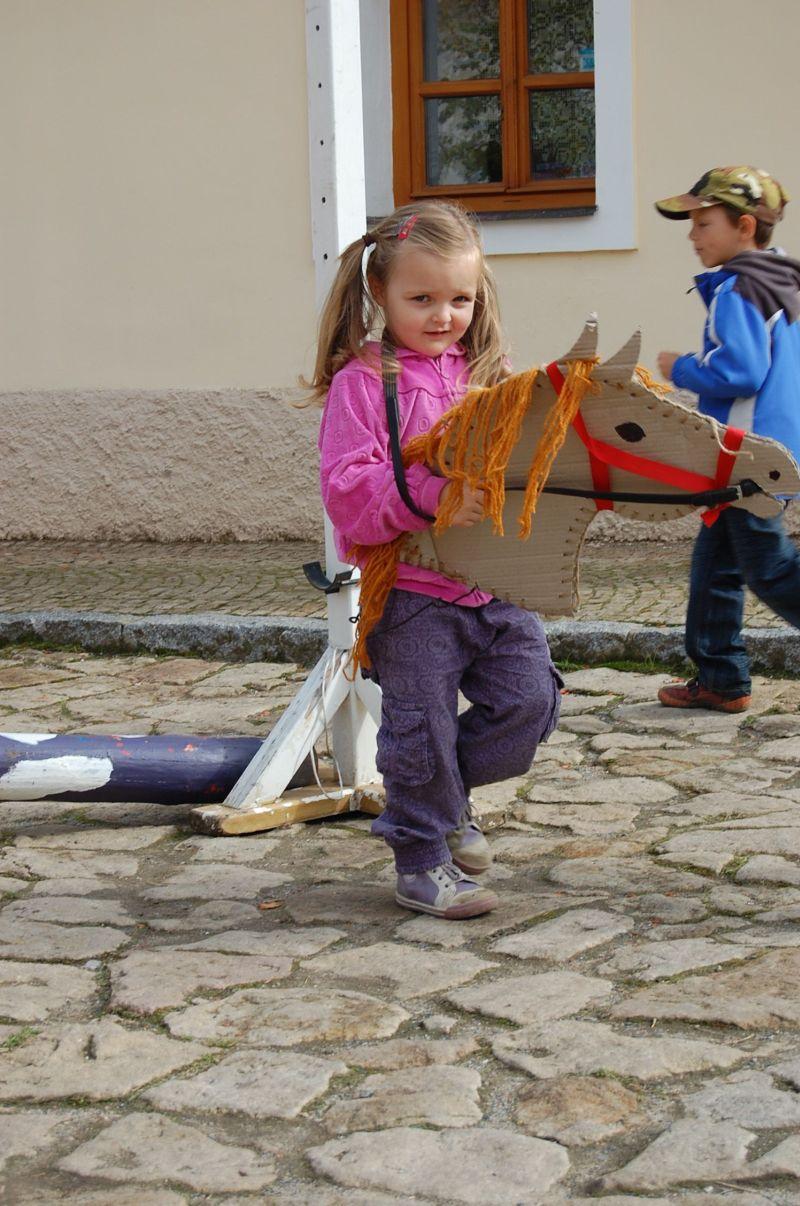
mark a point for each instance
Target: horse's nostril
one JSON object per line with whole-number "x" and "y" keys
{"x": 774, "y": 474}
{"x": 631, "y": 432}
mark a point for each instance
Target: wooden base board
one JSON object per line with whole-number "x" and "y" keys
{"x": 299, "y": 804}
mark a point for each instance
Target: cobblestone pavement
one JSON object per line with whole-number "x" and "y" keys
{"x": 641, "y": 582}
{"x": 200, "y": 1020}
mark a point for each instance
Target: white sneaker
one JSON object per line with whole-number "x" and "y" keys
{"x": 444, "y": 891}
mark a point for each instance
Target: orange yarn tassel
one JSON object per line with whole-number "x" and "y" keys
{"x": 379, "y": 564}
{"x": 472, "y": 443}
{"x": 554, "y": 432}
{"x": 659, "y": 388}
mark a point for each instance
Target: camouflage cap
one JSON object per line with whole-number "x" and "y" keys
{"x": 745, "y": 188}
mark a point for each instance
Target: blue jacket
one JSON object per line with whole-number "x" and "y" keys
{"x": 748, "y": 373}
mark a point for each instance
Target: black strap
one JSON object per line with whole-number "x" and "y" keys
{"x": 704, "y": 498}
{"x": 393, "y": 420}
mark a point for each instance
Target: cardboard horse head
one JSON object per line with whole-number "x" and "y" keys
{"x": 629, "y": 437}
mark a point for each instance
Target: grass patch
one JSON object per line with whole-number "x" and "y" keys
{"x": 610, "y": 1074}
{"x": 31, "y": 641}
{"x": 646, "y": 665}
{"x": 19, "y": 1039}
{"x": 736, "y": 864}
{"x": 79, "y": 816}
{"x": 693, "y": 869}
{"x": 200, "y": 1065}
{"x": 567, "y": 667}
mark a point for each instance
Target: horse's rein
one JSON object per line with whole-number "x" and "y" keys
{"x": 702, "y": 498}
{"x": 697, "y": 489}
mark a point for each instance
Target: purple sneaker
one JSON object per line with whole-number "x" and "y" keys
{"x": 469, "y": 848}
{"x": 444, "y": 892}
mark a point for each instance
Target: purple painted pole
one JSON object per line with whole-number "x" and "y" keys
{"x": 168, "y": 769}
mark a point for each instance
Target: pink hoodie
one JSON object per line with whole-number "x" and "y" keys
{"x": 358, "y": 486}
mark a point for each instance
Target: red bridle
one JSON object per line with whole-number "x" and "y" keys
{"x": 603, "y": 457}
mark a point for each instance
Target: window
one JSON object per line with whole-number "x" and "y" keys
{"x": 493, "y": 103}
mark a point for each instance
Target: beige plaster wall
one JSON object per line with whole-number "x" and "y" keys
{"x": 154, "y": 207}
{"x": 157, "y": 295}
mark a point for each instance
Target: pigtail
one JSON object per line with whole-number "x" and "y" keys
{"x": 346, "y": 321}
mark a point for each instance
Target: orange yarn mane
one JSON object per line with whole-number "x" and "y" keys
{"x": 646, "y": 378}
{"x": 471, "y": 445}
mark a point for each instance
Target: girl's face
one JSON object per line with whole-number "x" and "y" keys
{"x": 428, "y": 300}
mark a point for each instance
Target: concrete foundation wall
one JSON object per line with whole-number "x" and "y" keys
{"x": 166, "y": 465}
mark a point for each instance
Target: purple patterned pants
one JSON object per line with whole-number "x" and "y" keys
{"x": 423, "y": 652}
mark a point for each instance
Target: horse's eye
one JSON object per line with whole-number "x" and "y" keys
{"x": 774, "y": 474}
{"x": 631, "y": 432}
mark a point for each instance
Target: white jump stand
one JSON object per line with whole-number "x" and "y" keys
{"x": 332, "y": 698}
{"x": 329, "y": 700}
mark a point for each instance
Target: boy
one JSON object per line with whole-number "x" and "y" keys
{"x": 747, "y": 376}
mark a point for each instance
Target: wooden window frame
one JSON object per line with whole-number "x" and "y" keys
{"x": 517, "y": 192}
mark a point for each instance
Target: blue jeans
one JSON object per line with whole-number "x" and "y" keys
{"x": 738, "y": 550}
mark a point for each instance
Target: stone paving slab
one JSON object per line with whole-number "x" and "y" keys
{"x": 149, "y": 1148}
{"x": 260, "y": 1084}
{"x": 620, "y": 1026}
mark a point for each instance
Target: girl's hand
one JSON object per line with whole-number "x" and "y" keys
{"x": 666, "y": 363}
{"x": 471, "y": 510}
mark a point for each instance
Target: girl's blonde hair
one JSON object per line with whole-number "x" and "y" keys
{"x": 350, "y": 311}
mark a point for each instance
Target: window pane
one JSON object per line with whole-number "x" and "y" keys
{"x": 462, "y": 140}
{"x": 562, "y": 133}
{"x": 560, "y": 35}
{"x": 461, "y": 39}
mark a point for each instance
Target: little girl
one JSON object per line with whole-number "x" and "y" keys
{"x": 426, "y": 273}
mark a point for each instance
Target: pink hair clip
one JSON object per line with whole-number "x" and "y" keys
{"x": 407, "y": 226}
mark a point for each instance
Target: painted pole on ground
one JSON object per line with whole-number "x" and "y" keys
{"x": 167, "y": 769}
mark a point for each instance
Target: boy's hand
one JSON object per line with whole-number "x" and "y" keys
{"x": 666, "y": 363}
{"x": 471, "y": 510}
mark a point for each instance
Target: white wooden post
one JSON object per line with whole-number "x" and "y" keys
{"x": 328, "y": 700}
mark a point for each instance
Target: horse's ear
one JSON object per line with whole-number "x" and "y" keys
{"x": 620, "y": 366}
{"x": 585, "y": 346}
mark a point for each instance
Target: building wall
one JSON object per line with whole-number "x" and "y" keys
{"x": 158, "y": 289}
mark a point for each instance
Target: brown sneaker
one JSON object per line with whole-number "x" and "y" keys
{"x": 693, "y": 695}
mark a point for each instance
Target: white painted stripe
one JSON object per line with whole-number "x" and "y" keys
{"x": 741, "y": 413}
{"x": 31, "y": 780}
{"x": 712, "y": 331}
{"x": 29, "y": 738}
